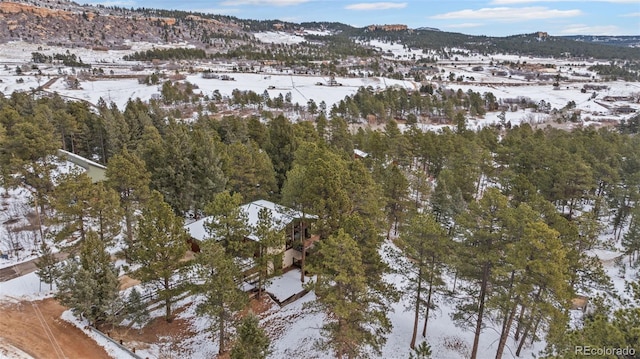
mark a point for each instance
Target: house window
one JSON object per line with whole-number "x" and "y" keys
{"x": 293, "y": 240}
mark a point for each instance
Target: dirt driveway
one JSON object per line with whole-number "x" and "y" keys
{"x": 36, "y": 329}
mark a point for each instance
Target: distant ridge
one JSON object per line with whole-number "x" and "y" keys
{"x": 425, "y": 28}
{"x": 65, "y": 23}
{"x": 624, "y": 41}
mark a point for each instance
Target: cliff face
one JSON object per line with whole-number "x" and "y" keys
{"x": 68, "y": 24}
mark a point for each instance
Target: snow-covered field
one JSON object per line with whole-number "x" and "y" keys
{"x": 286, "y": 38}
{"x": 20, "y": 51}
{"x": 279, "y": 37}
{"x": 118, "y": 91}
{"x": 302, "y": 88}
{"x": 396, "y": 50}
{"x": 557, "y": 98}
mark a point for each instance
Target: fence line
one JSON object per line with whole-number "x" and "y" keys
{"x": 125, "y": 349}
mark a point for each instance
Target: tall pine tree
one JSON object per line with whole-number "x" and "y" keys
{"x": 252, "y": 342}
{"x": 356, "y": 318}
{"x": 270, "y": 243}
{"x": 228, "y": 223}
{"x": 160, "y": 246}
{"x": 221, "y": 280}
{"x": 126, "y": 174}
{"x": 426, "y": 245}
{"x": 89, "y": 285}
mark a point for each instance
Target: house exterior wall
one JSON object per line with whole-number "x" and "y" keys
{"x": 289, "y": 256}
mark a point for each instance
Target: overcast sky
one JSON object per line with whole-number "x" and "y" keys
{"x": 478, "y": 17}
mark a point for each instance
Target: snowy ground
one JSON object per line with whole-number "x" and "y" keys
{"x": 117, "y": 91}
{"x": 294, "y": 331}
{"x": 559, "y": 98}
{"x": 19, "y": 52}
{"x": 28, "y": 287}
{"x": 8, "y": 351}
{"x": 279, "y": 37}
{"x": 13, "y": 215}
{"x": 397, "y": 50}
{"x": 302, "y": 88}
{"x": 286, "y": 38}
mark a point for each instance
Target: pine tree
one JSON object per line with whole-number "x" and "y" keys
{"x": 89, "y": 285}
{"x": 70, "y": 200}
{"x": 356, "y": 317}
{"x": 541, "y": 285}
{"x": 127, "y": 175}
{"x": 207, "y": 176}
{"x": 631, "y": 239}
{"x": 250, "y": 171}
{"x": 422, "y": 351}
{"x": 426, "y": 245}
{"x": 48, "y": 270}
{"x": 229, "y": 224}
{"x": 81, "y": 204}
{"x": 136, "y": 309}
{"x": 29, "y": 149}
{"x": 105, "y": 212}
{"x": 270, "y": 241}
{"x": 252, "y": 341}
{"x": 221, "y": 289}
{"x": 533, "y": 278}
{"x": 280, "y": 147}
{"x": 602, "y": 329}
{"x": 396, "y": 192}
{"x": 339, "y": 136}
{"x": 484, "y": 240}
{"x": 174, "y": 175}
{"x": 160, "y": 246}
{"x": 317, "y": 184}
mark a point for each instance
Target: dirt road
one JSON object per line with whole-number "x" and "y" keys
{"x": 36, "y": 329}
{"x": 23, "y": 268}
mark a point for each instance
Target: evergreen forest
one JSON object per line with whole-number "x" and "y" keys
{"x": 510, "y": 214}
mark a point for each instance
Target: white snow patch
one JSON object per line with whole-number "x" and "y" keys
{"x": 279, "y": 37}
{"x": 8, "y": 351}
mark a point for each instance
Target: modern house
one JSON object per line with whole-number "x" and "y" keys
{"x": 294, "y": 224}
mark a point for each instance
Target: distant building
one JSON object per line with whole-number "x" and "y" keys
{"x": 333, "y": 82}
{"x": 624, "y": 109}
{"x": 210, "y": 75}
{"x": 394, "y": 27}
{"x": 594, "y": 87}
{"x": 359, "y": 153}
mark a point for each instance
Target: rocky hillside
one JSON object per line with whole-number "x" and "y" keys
{"x": 69, "y": 24}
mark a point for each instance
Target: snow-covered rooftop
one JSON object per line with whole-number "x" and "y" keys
{"x": 281, "y": 215}
{"x": 286, "y": 286}
{"x": 360, "y": 153}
